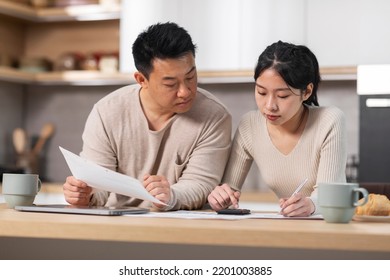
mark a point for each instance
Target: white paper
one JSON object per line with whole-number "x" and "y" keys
{"x": 184, "y": 214}
{"x": 105, "y": 179}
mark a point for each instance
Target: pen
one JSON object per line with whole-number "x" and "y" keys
{"x": 300, "y": 187}
{"x": 296, "y": 191}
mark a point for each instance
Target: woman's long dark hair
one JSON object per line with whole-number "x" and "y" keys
{"x": 296, "y": 64}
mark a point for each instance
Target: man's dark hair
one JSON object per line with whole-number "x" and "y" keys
{"x": 161, "y": 40}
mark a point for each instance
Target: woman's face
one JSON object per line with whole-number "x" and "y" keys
{"x": 278, "y": 102}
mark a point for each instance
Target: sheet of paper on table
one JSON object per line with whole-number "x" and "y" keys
{"x": 104, "y": 179}
{"x": 184, "y": 214}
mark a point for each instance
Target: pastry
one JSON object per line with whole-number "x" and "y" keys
{"x": 377, "y": 205}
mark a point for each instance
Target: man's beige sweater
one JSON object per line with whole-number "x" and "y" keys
{"x": 191, "y": 150}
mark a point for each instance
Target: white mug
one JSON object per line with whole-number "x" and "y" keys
{"x": 337, "y": 201}
{"x": 20, "y": 189}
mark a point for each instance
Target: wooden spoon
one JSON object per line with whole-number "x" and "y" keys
{"x": 46, "y": 132}
{"x": 19, "y": 140}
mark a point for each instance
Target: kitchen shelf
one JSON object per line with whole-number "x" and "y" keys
{"x": 54, "y": 14}
{"x": 346, "y": 73}
{"x": 246, "y": 76}
{"x": 97, "y": 78}
{"x": 91, "y": 78}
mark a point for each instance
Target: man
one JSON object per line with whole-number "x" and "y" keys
{"x": 171, "y": 135}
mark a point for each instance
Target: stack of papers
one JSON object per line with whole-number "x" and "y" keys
{"x": 105, "y": 179}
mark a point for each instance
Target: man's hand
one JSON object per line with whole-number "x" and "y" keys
{"x": 159, "y": 187}
{"x": 76, "y": 192}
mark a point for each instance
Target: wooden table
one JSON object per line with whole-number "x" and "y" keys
{"x": 26, "y": 235}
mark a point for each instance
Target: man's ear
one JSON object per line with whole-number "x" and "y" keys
{"x": 308, "y": 91}
{"x": 141, "y": 79}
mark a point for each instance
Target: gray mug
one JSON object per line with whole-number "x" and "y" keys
{"x": 20, "y": 189}
{"x": 338, "y": 201}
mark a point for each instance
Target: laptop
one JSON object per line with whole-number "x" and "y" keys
{"x": 86, "y": 210}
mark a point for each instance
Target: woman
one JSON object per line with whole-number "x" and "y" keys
{"x": 290, "y": 137}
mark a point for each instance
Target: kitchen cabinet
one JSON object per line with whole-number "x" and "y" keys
{"x": 229, "y": 34}
{"x": 349, "y": 32}
{"x": 51, "y": 32}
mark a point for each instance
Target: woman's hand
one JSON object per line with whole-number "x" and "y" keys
{"x": 296, "y": 206}
{"x": 222, "y": 197}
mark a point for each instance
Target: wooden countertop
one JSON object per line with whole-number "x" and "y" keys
{"x": 298, "y": 234}
{"x": 255, "y": 233}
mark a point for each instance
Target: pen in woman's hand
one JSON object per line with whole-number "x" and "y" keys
{"x": 300, "y": 187}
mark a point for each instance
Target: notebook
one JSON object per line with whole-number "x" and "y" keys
{"x": 87, "y": 210}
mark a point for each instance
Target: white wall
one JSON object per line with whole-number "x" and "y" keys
{"x": 230, "y": 34}
{"x": 349, "y": 32}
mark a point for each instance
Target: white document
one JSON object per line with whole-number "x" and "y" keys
{"x": 206, "y": 215}
{"x": 105, "y": 179}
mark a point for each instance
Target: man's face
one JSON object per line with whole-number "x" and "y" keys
{"x": 172, "y": 84}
